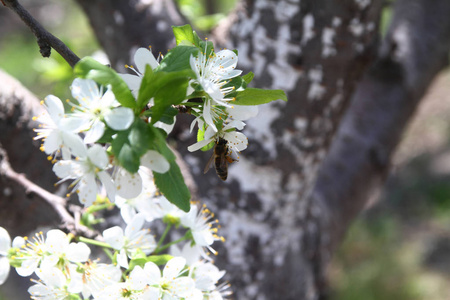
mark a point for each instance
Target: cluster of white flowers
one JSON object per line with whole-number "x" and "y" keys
{"x": 82, "y": 159}
{"x": 65, "y": 270}
{"x": 106, "y": 143}
{"x": 216, "y": 114}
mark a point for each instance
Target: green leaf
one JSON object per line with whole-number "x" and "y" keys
{"x": 129, "y": 145}
{"x": 89, "y": 68}
{"x": 183, "y": 33}
{"x": 159, "y": 259}
{"x": 201, "y": 137}
{"x": 248, "y": 77}
{"x": 166, "y": 88}
{"x": 178, "y": 58}
{"x": 167, "y": 117}
{"x": 252, "y": 96}
{"x": 171, "y": 183}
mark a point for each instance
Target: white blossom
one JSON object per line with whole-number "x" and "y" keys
{"x": 95, "y": 107}
{"x": 86, "y": 170}
{"x": 237, "y": 141}
{"x": 212, "y": 73}
{"x": 129, "y": 242}
{"x": 142, "y": 57}
{"x": 91, "y": 278}
{"x": 5, "y": 245}
{"x": 58, "y": 130}
{"x": 52, "y": 285}
{"x": 201, "y": 223}
{"x": 172, "y": 284}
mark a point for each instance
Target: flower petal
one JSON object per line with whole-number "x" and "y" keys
{"x": 55, "y": 107}
{"x": 78, "y": 252}
{"x": 199, "y": 145}
{"x": 174, "y": 267}
{"x": 114, "y": 236}
{"x": 155, "y": 161}
{"x": 84, "y": 89}
{"x": 4, "y": 269}
{"x": 5, "y": 241}
{"x": 119, "y": 118}
{"x": 97, "y": 155}
{"x": 242, "y": 112}
{"x": 143, "y": 57}
{"x": 128, "y": 185}
{"x": 95, "y": 133}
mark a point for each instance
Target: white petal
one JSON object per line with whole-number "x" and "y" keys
{"x": 227, "y": 58}
{"x": 207, "y": 115}
{"x": 199, "y": 145}
{"x": 231, "y": 74}
{"x": 174, "y": 267}
{"x": 75, "y": 143}
{"x": 53, "y": 141}
{"x": 135, "y": 225}
{"x": 18, "y": 242}
{"x": 203, "y": 238}
{"x": 155, "y": 161}
{"x": 4, "y": 269}
{"x": 183, "y": 287}
{"x": 242, "y": 112}
{"x": 84, "y": 89}
{"x": 78, "y": 252}
{"x": 108, "y": 184}
{"x": 166, "y": 127}
{"x": 127, "y": 212}
{"x": 55, "y": 107}
{"x": 5, "y": 241}
{"x": 57, "y": 241}
{"x": 128, "y": 185}
{"x": 151, "y": 293}
{"x": 133, "y": 81}
{"x": 52, "y": 277}
{"x": 153, "y": 273}
{"x": 72, "y": 124}
{"x": 234, "y": 124}
{"x": 114, "y": 236}
{"x": 119, "y": 118}
{"x": 97, "y": 155}
{"x": 87, "y": 190}
{"x": 64, "y": 169}
{"x": 137, "y": 279}
{"x": 28, "y": 267}
{"x": 236, "y": 140}
{"x": 96, "y": 132}
{"x": 122, "y": 259}
{"x": 108, "y": 99}
{"x": 144, "y": 57}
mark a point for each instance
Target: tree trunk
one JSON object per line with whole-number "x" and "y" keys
{"x": 282, "y": 218}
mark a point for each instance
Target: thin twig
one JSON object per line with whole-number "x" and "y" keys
{"x": 56, "y": 202}
{"x": 45, "y": 39}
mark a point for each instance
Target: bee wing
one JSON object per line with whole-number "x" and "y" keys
{"x": 209, "y": 163}
{"x": 223, "y": 162}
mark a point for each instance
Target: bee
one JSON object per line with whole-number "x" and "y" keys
{"x": 221, "y": 159}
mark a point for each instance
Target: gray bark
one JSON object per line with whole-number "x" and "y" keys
{"x": 282, "y": 218}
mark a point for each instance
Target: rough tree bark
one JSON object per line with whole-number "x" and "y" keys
{"x": 282, "y": 217}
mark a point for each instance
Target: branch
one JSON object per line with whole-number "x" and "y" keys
{"x": 56, "y": 202}
{"x": 45, "y": 39}
{"x": 413, "y": 52}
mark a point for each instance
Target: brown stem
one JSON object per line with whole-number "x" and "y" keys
{"x": 56, "y": 202}
{"x": 45, "y": 39}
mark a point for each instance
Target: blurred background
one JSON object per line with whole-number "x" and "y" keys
{"x": 399, "y": 248}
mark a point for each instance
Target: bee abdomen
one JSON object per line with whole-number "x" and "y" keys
{"x": 223, "y": 174}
